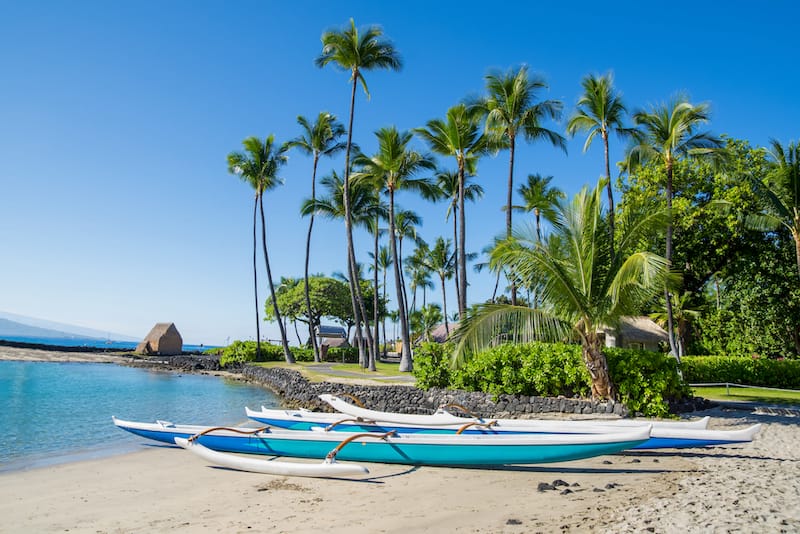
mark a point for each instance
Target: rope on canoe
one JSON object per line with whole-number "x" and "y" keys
{"x": 476, "y": 423}
{"x": 332, "y": 455}
{"x": 459, "y": 407}
{"x": 353, "y": 398}
{"x": 349, "y": 420}
{"x": 237, "y": 430}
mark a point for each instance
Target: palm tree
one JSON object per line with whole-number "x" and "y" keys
{"x": 393, "y": 167}
{"x": 364, "y": 206}
{"x": 356, "y": 52}
{"x": 323, "y": 138}
{"x": 683, "y": 315}
{"x": 419, "y": 273}
{"x": 441, "y": 260}
{"x": 511, "y": 109}
{"x": 584, "y": 285}
{"x": 779, "y": 194}
{"x": 459, "y": 135}
{"x": 259, "y": 166}
{"x": 379, "y": 212}
{"x": 383, "y": 260}
{"x": 668, "y": 133}
{"x": 599, "y": 111}
{"x": 541, "y": 199}
{"x": 448, "y": 185}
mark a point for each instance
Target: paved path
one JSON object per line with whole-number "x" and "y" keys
{"x": 327, "y": 368}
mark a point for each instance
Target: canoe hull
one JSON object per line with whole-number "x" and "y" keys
{"x": 403, "y": 449}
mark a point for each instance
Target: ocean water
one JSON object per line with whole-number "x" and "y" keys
{"x": 59, "y": 412}
{"x": 91, "y": 342}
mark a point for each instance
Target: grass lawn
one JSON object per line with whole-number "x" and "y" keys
{"x": 767, "y": 396}
{"x": 317, "y": 372}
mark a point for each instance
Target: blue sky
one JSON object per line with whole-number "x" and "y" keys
{"x": 117, "y": 210}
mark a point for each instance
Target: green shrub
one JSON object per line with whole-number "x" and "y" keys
{"x": 342, "y": 354}
{"x": 742, "y": 370}
{"x": 645, "y": 380}
{"x": 245, "y": 351}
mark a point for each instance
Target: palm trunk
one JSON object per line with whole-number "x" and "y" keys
{"x": 508, "y": 211}
{"x": 385, "y": 340}
{"x": 348, "y": 227}
{"x": 455, "y": 259}
{"x": 255, "y": 276}
{"x": 796, "y": 237}
{"x": 444, "y": 308}
{"x": 312, "y": 337}
{"x": 596, "y": 363}
{"x": 462, "y": 244}
{"x": 668, "y": 255}
{"x": 374, "y": 354}
{"x": 610, "y": 193}
{"x": 406, "y": 363}
{"x": 287, "y": 354}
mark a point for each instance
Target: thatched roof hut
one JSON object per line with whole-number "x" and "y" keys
{"x": 163, "y": 339}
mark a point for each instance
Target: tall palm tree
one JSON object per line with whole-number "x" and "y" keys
{"x": 405, "y": 226}
{"x": 364, "y": 207}
{"x": 441, "y": 260}
{"x": 584, "y": 285}
{"x": 779, "y": 194}
{"x": 394, "y": 167}
{"x": 419, "y": 273}
{"x": 357, "y": 52}
{"x": 448, "y": 185}
{"x": 322, "y": 138}
{"x": 379, "y": 213}
{"x": 668, "y": 133}
{"x": 600, "y": 110}
{"x": 541, "y": 199}
{"x": 459, "y": 135}
{"x": 259, "y": 165}
{"x": 511, "y": 110}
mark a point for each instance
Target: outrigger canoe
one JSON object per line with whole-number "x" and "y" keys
{"x": 664, "y": 434}
{"x": 390, "y": 447}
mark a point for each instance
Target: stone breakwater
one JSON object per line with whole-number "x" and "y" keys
{"x": 297, "y": 391}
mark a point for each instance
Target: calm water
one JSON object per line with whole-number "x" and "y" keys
{"x": 57, "y": 412}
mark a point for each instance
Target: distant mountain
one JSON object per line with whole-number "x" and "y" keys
{"x": 12, "y": 324}
{"x": 15, "y": 329}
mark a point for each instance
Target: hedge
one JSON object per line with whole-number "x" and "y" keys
{"x": 746, "y": 370}
{"x": 645, "y": 381}
{"x": 245, "y": 351}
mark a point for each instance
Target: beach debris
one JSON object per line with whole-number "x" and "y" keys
{"x": 544, "y": 486}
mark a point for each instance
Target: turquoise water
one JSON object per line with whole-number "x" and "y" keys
{"x": 59, "y": 412}
{"x": 92, "y": 342}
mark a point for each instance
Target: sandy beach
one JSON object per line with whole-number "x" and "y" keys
{"x": 753, "y": 487}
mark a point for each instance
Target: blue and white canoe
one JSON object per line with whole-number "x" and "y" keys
{"x": 411, "y": 449}
{"x": 664, "y": 434}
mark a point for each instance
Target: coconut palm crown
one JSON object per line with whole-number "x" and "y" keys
{"x": 583, "y": 285}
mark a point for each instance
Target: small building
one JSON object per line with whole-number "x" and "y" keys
{"x": 164, "y": 339}
{"x": 636, "y": 332}
{"x": 441, "y": 332}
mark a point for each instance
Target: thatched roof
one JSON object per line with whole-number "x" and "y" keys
{"x": 439, "y": 334}
{"x": 163, "y": 339}
{"x": 641, "y": 329}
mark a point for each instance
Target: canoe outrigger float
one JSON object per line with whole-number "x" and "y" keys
{"x": 664, "y": 434}
{"x": 391, "y": 447}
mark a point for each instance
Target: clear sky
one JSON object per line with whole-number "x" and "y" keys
{"x": 116, "y": 208}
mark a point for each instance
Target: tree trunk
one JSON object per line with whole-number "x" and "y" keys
{"x": 255, "y": 276}
{"x": 287, "y": 353}
{"x": 462, "y": 245}
{"x": 604, "y": 133}
{"x": 596, "y": 363}
{"x": 444, "y": 309}
{"x": 796, "y": 237}
{"x": 509, "y": 204}
{"x": 456, "y": 256}
{"x": 668, "y": 255}
{"x": 348, "y": 227}
{"x": 406, "y": 364}
{"x": 312, "y": 337}
{"x": 374, "y": 354}
{"x": 385, "y": 340}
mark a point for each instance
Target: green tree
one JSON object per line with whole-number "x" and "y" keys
{"x": 459, "y": 135}
{"x": 511, "y": 109}
{"x": 382, "y": 263}
{"x": 322, "y": 138}
{"x": 600, "y": 110}
{"x": 540, "y": 199}
{"x": 779, "y": 194}
{"x": 419, "y": 273}
{"x": 394, "y": 167}
{"x": 584, "y": 285}
{"x": 667, "y": 134}
{"x": 258, "y": 165}
{"x": 356, "y": 52}
{"x": 424, "y": 320}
